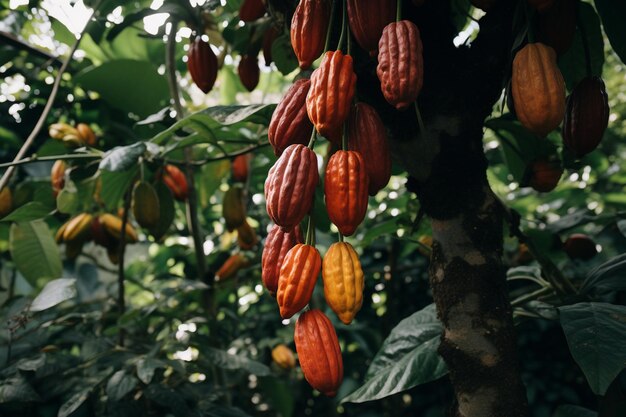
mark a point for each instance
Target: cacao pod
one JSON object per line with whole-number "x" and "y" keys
{"x": 426, "y": 245}
{"x": 309, "y": 25}
{"x": 268, "y": 40}
{"x": 319, "y": 352}
{"x": 239, "y": 168}
{"x": 57, "y": 176}
{"x": 290, "y": 123}
{"x": 101, "y": 236}
{"x": 343, "y": 281}
{"x": 58, "y": 237}
{"x": 367, "y": 136}
{"x": 332, "y": 89}
{"x": 251, "y": 10}
{"x": 367, "y": 20}
{"x": 202, "y": 64}
{"x": 290, "y": 186}
{"x": 233, "y": 209}
{"x": 246, "y": 236}
{"x": 114, "y": 254}
{"x": 586, "y": 116}
{"x": 6, "y": 201}
{"x": 176, "y": 181}
{"x": 85, "y": 134}
{"x": 296, "y": 282}
{"x": 400, "y": 63}
{"x": 538, "y": 89}
{"x": 249, "y": 71}
{"x": 545, "y": 175}
{"x": 557, "y": 25}
{"x": 277, "y": 244}
{"x": 345, "y": 190}
{"x": 78, "y": 229}
{"x": 283, "y": 357}
{"x": 230, "y": 268}
{"x": 65, "y": 133}
{"x": 523, "y": 255}
{"x": 541, "y": 5}
{"x": 113, "y": 225}
{"x": 145, "y": 205}
{"x": 580, "y": 246}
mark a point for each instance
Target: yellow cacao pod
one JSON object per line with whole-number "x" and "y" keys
{"x": 145, "y": 204}
{"x": 113, "y": 225}
{"x": 343, "y": 281}
{"x": 78, "y": 229}
{"x": 233, "y": 209}
{"x": 65, "y": 133}
{"x": 283, "y": 357}
{"x": 6, "y": 201}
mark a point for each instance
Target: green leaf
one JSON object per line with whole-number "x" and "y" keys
{"x": 68, "y": 200}
{"x": 121, "y": 158}
{"x": 55, "y": 292}
{"x": 229, "y": 86}
{"x": 17, "y": 389}
{"x": 169, "y": 398}
{"x": 115, "y": 184}
{"x": 209, "y": 180}
{"x": 283, "y": 55}
{"x": 29, "y": 211}
{"x": 595, "y": 334}
{"x": 31, "y": 241}
{"x": 234, "y": 362}
{"x": 119, "y": 385}
{"x": 74, "y": 402}
{"x": 146, "y": 368}
{"x": 613, "y": 14}
{"x": 607, "y": 277}
{"x": 573, "y": 411}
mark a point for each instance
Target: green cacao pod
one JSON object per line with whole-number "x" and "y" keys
{"x": 233, "y": 208}
{"x": 145, "y": 205}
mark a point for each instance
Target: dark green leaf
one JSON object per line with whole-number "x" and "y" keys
{"x": 17, "y": 389}
{"x": 283, "y": 55}
{"x": 29, "y": 211}
{"x": 613, "y": 14}
{"x": 610, "y": 276}
{"x": 121, "y": 158}
{"x": 168, "y": 398}
{"x": 74, "y": 402}
{"x": 119, "y": 385}
{"x": 573, "y": 411}
{"x": 30, "y": 241}
{"x": 115, "y": 184}
{"x": 55, "y": 292}
{"x": 146, "y": 368}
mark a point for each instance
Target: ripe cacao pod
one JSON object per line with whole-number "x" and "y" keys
{"x": 239, "y": 168}
{"x": 145, "y": 205}
{"x": 367, "y": 136}
{"x": 246, "y": 236}
{"x": 78, "y": 229}
{"x": 586, "y": 116}
{"x": 545, "y": 175}
{"x": 296, "y": 282}
{"x": 367, "y": 20}
{"x": 483, "y": 4}
{"x": 202, "y": 64}
{"x": 345, "y": 190}
{"x": 309, "y": 25}
{"x": 65, "y": 133}
{"x": 557, "y": 25}
{"x": 176, "y": 181}
{"x": 283, "y": 357}
{"x": 233, "y": 208}
{"x": 251, "y": 10}
{"x": 580, "y": 246}
{"x": 332, "y": 89}
{"x": 57, "y": 176}
{"x": 249, "y": 71}
{"x": 58, "y": 237}
{"x": 319, "y": 352}
{"x": 6, "y": 201}
{"x": 230, "y": 268}
{"x": 400, "y": 63}
{"x": 541, "y": 5}
{"x": 268, "y": 40}
{"x": 113, "y": 225}
{"x": 290, "y": 123}
{"x": 538, "y": 89}
{"x": 290, "y": 186}
{"x": 101, "y": 236}
{"x": 277, "y": 244}
{"x": 343, "y": 281}
{"x": 85, "y": 134}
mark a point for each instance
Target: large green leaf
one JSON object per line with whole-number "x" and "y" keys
{"x": 29, "y": 211}
{"x": 121, "y": 158}
{"x": 283, "y": 55}
{"x": 120, "y": 384}
{"x": 17, "y": 389}
{"x": 595, "y": 334}
{"x": 55, "y": 292}
{"x": 115, "y": 184}
{"x": 613, "y": 14}
{"x": 607, "y": 277}
{"x": 34, "y": 251}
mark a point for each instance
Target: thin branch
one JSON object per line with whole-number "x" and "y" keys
{"x": 121, "y": 301}
{"x": 35, "y": 158}
{"x": 231, "y": 155}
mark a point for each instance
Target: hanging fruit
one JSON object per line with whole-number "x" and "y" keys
{"x": 545, "y": 175}
{"x": 400, "y": 63}
{"x": 145, "y": 205}
{"x": 202, "y": 64}
{"x": 246, "y": 236}
{"x": 233, "y": 208}
{"x": 113, "y": 225}
{"x": 343, "y": 281}
{"x": 57, "y": 176}
{"x": 85, "y": 134}
{"x": 277, "y": 244}
{"x": 77, "y": 229}
{"x": 290, "y": 123}
{"x": 6, "y": 201}
{"x": 66, "y": 134}
{"x": 176, "y": 181}
{"x": 538, "y": 89}
{"x": 268, "y": 40}
{"x": 249, "y": 71}
{"x": 239, "y": 168}
{"x": 557, "y": 25}
{"x": 297, "y": 278}
{"x": 101, "y": 236}
{"x": 308, "y": 30}
{"x": 230, "y": 268}
{"x": 319, "y": 352}
{"x": 580, "y": 246}
{"x": 251, "y": 10}
{"x": 283, "y": 357}
{"x": 367, "y": 20}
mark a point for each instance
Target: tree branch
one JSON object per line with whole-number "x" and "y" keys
{"x": 14, "y": 41}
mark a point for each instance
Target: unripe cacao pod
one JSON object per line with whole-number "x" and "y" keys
{"x": 6, "y": 201}
{"x": 367, "y": 20}
{"x": 332, "y": 89}
{"x": 251, "y": 10}
{"x": 580, "y": 246}
{"x": 78, "y": 228}
{"x": 113, "y": 225}
{"x": 57, "y": 176}
{"x": 345, "y": 190}
{"x": 400, "y": 63}
{"x": 145, "y": 205}
{"x": 246, "y": 236}
{"x": 296, "y": 282}
{"x": 233, "y": 208}
{"x": 101, "y": 236}
{"x": 283, "y": 357}
{"x": 367, "y": 136}
{"x": 85, "y": 134}
{"x": 239, "y": 168}
{"x": 538, "y": 89}
{"x": 290, "y": 186}
{"x": 176, "y": 181}
{"x": 343, "y": 281}
{"x": 65, "y": 133}
{"x": 277, "y": 244}
{"x": 249, "y": 71}
{"x": 319, "y": 352}
{"x": 268, "y": 40}
{"x": 586, "y": 116}
{"x": 202, "y": 64}
{"x": 483, "y": 4}
{"x": 290, "y": 123}
{"x": 541, "y": 5}
{"x": 545, "y": 175}
{"x": 557, "y": 25}
{"x": 230, "y": 268}
{"x": 309, "y": 25}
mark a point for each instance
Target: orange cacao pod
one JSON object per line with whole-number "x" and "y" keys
{"x": 580, "y": 246}
{"x": 268, "y": 40}
{"x": 239, "y": 168}
{"x": 541, "y": 5}
{"x": 277, "y": 244}
{"x": 586, "y": 116}
{"x": 85, "y": 134}
{"x": 343, "y": 281}
{"x": 538, "y": 89}
{"x": 296, "y": 282}
{"x": 233, "y": 209}
{"x": 367, "y": 136}
{"x": 309, "y": 25}
{"x": 57, "y": 176}
{"x": 113, "y": 225}
{"x": 283, "y": 357}
{"x": 332, "y": 89}
{"x": 557, "y": 25}
{"x": 6, "y": 201}
{"x": 202, "y": 64}
{"x": 400, "y": 63}
{"x": 290, "y": 186}
{"x": 230, "y": 268}
{"x": 176, "y": 181}
{"x": 367, "y": 20}
{"x": 251, "y": 10}
{"x": 345, "y": 189}
{"x": 101, "y": 236}
{"x": 249, "y": 71}
{"x": 246, "y": 236}
{"x": 77, "y": 229}
{"x": 290, "y": 123}
{"x": 545, "y": 175}
{"x": 145, "y": 204}
{"x": 319, "y": 352}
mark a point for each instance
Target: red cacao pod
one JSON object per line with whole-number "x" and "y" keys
{"x": 251, "y": 10}
{"x": 586, "y": 116}
{"x": 176, "y": 181}
{"x": 240, "y": 167}
{"x": 57, "y": 176}
{"x": 345, "y": 190}
{"x": 202, "y": 64}
{"x": 233, "y": 208}
{"x": 541, "y": 5}
{"x": 332, "y": 89}
{"x": 290, "y": 186}
{"x": 545, "y": 175}
{"x": 230, "y": 268}
{"x": 368, "y": 137}
{"x": 319, "y": 352}
{"x": 290, "y": 123}
{"x": 400, "y": 63}
{"x": 580, "y": 246}
{"x": 368, "y": 19}
{"x": 557, "y": 25}
{"x": 308, "y": 30}
{"x": 343, "y": 281}
{"x": 268, "y": 40}
{"x": 249, "y": 71}
{"x": 296, "y": 282}
{"x": 277, "y": 244}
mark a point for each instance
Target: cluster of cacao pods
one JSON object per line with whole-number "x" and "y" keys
{"x": 81, "y": 135}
